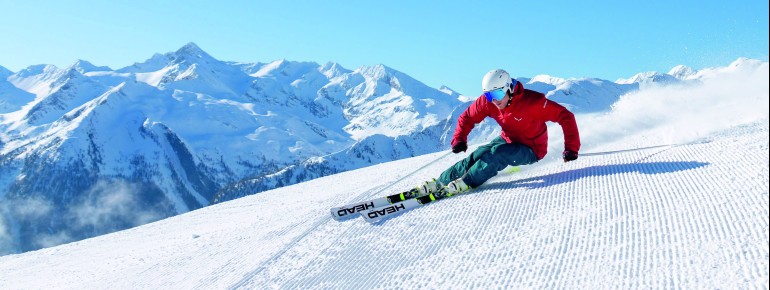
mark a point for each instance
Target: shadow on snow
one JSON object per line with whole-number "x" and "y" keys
{"x": 576, "y": 174}
{"x": 602, "y": 170}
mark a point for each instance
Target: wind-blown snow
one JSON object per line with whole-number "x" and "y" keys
{"x": 675, "y": 195}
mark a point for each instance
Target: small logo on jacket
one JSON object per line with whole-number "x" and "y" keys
{"x": 517, "y": 119}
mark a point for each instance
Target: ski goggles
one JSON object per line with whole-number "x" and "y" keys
{"x": 497, "y": 94}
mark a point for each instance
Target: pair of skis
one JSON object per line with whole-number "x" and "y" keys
{"x": 382, "y": 208}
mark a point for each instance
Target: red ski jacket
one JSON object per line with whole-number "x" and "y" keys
{"x": 523, "y": 121}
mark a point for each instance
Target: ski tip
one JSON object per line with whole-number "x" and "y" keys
{"x": 342, "y": 214}
{"x": 373, "y": 221}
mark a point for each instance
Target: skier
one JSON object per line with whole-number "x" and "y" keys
{"x": 521, "y": 114}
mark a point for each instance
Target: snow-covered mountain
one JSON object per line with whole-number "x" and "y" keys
{"x": 83, "y": 67}
{"x": 11, "y": 97}
{"x": 87, "y": 150}
{"x": 654, "y": 78}
{"x": 584, "y": 95}
{"x": 671, "y": 191}
{"x": 181, "y": 127}
{"x": 681, "y": 72}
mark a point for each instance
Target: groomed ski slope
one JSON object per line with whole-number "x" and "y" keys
{"x": 692, "y": 214}
{"x": 688, "y": 216}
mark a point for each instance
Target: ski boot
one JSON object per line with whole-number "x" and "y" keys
{"x": 426, "y": 188}
{"x": 455, "y": 187}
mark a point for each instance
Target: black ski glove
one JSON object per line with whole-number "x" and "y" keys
{"x": 569, "y": 155}
{"x": 459, "y": 147}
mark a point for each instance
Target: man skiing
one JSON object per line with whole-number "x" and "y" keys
{"x": 521, "y": 114}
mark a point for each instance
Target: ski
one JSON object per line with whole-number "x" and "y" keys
{"x": 354, "y": 209}
{"x": 387, "y": 211}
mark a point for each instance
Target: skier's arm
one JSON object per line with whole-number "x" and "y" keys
{"x": 473, "y": 115}
{"x": 557, "y": 113}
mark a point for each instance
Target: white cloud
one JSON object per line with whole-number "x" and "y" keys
{"x": 6, "y": 239}
{"x": 31, "y": 208}
{"x": 110, "y": 204}
{"x": 46, "y": 240}
{"x": 19, "y": 209}
{"x": 106, "y": 207}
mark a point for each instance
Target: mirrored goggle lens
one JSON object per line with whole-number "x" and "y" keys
{"x": 497, "y": 94}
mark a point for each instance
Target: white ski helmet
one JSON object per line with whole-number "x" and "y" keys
{"x": 496, "y": 79}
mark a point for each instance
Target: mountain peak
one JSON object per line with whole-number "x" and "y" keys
{"x": 190, "y": 46}
{"x": 449, "y": 91}
{"x": 38, "y": 69}
{"x": 648, "y": 78}
{"x": 192, "y": 50}
{"x": 681, "y": 72}
{"x": 445, "y": 88}
{"x": 333, "y": 69}
{"x": 547, "y": 79}
{"x": 83, "y": 66}
{"x": 267, "y": 69}
{"x": 747, "y": 62}
{"x": 283, "y": 68}
{"x": 190, "y": 53}
{"x": 377, "y": 71}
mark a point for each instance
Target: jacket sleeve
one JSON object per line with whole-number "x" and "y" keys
{"x": 557, "y": 113}
{"x": 473, "y": 115}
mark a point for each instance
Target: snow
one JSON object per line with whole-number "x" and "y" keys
{"x": 671, "y": 192}
{"x": 36, "y": 79}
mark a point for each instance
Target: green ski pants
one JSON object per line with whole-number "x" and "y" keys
{"x": 487, "y": 160}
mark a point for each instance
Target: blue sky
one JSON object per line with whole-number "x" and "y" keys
{"x": 437, "y": 42}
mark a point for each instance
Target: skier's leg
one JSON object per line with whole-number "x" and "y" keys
{"x": 458, "y": 169}
{"x": 488, "y": 165}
